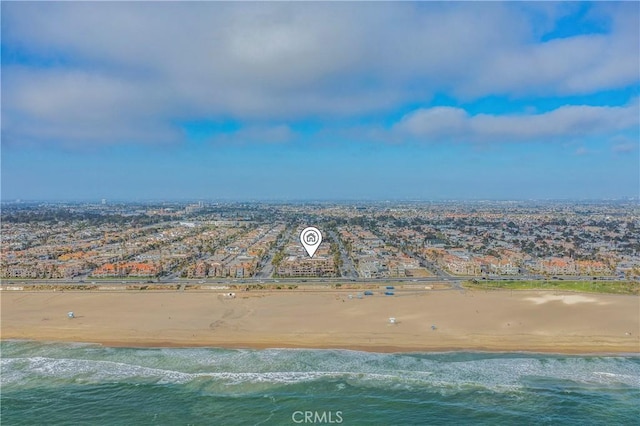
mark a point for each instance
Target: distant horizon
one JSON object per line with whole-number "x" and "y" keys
{"x": 317, "y": 200}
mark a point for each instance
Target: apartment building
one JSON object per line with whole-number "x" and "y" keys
{"x": 318, "y": 266}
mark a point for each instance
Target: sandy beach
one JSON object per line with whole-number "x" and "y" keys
{"x": 475, "y": 320}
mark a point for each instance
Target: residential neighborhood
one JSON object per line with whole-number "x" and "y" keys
{"x": 364, "y": 241}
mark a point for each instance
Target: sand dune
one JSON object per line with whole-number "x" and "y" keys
{"x": 497, "y": 321}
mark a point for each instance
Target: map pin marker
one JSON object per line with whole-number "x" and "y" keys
{"x": 311, "y": 238}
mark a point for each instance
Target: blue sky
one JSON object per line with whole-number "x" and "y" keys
{"x": 255, "y": 101}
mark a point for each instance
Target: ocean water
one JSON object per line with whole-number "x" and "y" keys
{"x": 61, "y": 383}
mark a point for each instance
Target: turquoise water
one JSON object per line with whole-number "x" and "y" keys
{"x": 58, "y": 383}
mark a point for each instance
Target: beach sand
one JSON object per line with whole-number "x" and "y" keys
{"x": 474, "y": 320}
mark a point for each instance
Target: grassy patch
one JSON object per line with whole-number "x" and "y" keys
{"x": 612, "y": 287}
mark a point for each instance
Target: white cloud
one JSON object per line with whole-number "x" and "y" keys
{"x": 125, "y": 71}
{"x": 624, "y": 144}
{"x": 447, "y": 123}
{"x": 582, "y": 151}
{"x": 72, "y": 107}
{"x": 564, "y": 66}
{"x": 625, "y": 147}
{"x": 437, "y": 122}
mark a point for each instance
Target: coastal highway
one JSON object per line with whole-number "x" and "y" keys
{"x": 454, "y": 281}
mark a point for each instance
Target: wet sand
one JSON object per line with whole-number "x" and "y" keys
{"x": 533, "y": 321}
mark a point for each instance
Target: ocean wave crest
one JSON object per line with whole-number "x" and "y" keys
{"x": 225, "y": 369}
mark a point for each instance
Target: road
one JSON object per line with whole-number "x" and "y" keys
{"x": 348, "y": 270}
{"x": 455, "y": 282}
{"x": 265, "y": 268}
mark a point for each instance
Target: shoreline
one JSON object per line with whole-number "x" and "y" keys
{"x": 368, "y": 349}
{"x": 548, "y": 322}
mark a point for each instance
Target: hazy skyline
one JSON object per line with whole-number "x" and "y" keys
{"x": 138, "y": 100}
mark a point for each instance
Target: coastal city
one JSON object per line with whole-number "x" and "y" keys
{"x": 256, "y": 242}
{"x": 320, "y": 213}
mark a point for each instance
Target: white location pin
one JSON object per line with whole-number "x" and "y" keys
{"x": 311, "y": 238}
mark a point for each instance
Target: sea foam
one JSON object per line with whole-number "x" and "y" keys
{"x": 25, "y": 365}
